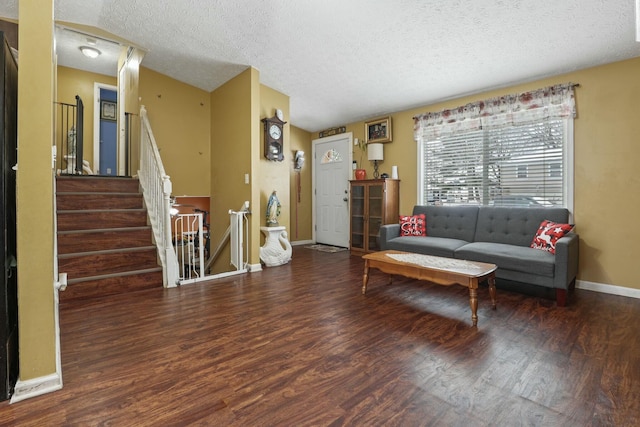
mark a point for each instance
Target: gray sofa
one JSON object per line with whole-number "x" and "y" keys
{"x": 497, "y": 235}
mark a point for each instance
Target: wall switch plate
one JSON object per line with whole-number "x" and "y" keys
{"x": 246, "y": 178}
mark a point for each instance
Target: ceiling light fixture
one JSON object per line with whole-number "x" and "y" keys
{"x": 90, "y": 52}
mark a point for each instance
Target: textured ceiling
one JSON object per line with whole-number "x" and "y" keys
{"x": 342, "y": 61}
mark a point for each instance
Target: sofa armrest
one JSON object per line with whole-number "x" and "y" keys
{"x": 388, "y": 232}
{"x": 566, "y": 260}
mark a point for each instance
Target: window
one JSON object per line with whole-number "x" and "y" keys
{"x": 520, "y": 159}
{"x": 522, "y": 171}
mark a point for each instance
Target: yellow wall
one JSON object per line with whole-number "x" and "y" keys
{"x": 35, "y": 231}
{"x": 275, "y": 175}
{"x": 607, "y": 185}
{"x": 234, "y": 127}
{"x": 301, "y": 196}
{"x": 180, "y": 117}
{"x": 73, "y": 82}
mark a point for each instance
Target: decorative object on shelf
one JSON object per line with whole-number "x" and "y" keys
{"x": 273, "y": 210}
{"x": 273, "y": 138}
{"x": 378, "y": 130}
{"x": 394, "y": 172}
{"x": 332, "y": 131}
{"x": 376, "y": 153}
{"x": 360, "y": 172}
{"x": 279, "y": 114}
{"x": 277, "y": 249}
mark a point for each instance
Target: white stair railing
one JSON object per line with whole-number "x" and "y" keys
{"x": 156, "y": 188}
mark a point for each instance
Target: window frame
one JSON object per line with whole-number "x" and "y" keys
{"x": 567, "y": 167}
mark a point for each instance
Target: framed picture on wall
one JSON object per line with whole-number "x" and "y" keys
{"x": 108, "y": 110}
{"x": 378, "y": 130}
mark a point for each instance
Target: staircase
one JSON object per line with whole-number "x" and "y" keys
{"x": 104, "y": 243}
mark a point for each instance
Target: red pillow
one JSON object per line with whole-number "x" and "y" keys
{"x": 548, "y": 234}
{"x": 415, "y": 225}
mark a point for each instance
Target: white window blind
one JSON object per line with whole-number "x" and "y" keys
{"x": 513, "y": 165}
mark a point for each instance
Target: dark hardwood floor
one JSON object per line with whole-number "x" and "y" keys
{"x": 299, "y": 345}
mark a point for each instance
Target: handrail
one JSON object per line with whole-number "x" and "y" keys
{"x": 79, "y": 134}
{"x": 156, "y": 189}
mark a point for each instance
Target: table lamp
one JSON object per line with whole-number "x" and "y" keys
{"x": 375, "y": 153}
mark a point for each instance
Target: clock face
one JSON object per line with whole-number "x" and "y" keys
{"x": 275, "y": 132}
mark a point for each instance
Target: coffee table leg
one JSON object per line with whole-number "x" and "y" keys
{"x": 365, "y": 276}
{"x": 473, "y": 301}
{"x": 492, "y": 290}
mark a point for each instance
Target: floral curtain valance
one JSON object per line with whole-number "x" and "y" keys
{"x": 550, "y": 102}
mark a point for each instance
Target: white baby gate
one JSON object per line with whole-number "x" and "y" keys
{"x": 190, "y": 240}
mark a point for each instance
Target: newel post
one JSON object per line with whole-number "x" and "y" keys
{"x": 171, "y": 271}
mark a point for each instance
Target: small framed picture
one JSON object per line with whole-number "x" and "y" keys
{"x": 108, "y": 110}
{"x": 378, "y": 130}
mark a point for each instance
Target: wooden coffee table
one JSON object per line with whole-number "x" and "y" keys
{"x": 443, "y": 271}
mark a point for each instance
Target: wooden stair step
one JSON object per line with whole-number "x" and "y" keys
{"x": 88, "y": 264}
{"x": 111, "y": 284}
{"x": 103, "y": 239}
{"x": 110, "y": 218}
{"x": 105, "y": 244}
{"x": 100, "y": 184}
{"x": 82, "y": 200}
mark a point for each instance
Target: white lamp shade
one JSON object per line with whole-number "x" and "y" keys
{"x": 375, "y": 151}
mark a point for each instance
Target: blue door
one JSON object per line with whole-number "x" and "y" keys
{"x": 108, "y": 133}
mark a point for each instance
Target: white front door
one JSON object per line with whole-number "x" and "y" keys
{"x": 332, "y": 170}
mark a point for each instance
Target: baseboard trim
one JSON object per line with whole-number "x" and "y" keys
{"x": 36, "y": 387}
{"x": 608, "y": 289}
{"x": 254, "y": 268}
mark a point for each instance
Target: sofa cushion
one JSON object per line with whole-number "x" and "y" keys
{"x": 436, "y": 246}
{"x": 548, "y": 234}
{"x": 513, "y": 226}
{"x": 454, "y": 222}
{"x": 509, "y": 257}
{"x": 413, "y": 225}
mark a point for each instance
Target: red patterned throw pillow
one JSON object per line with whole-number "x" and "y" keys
{"x": 548, "y": 234}
{"x": 415, "y": 225}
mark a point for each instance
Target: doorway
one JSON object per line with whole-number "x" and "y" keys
{"x": 105, "y": 141}
{"x": 332, "y": 171}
